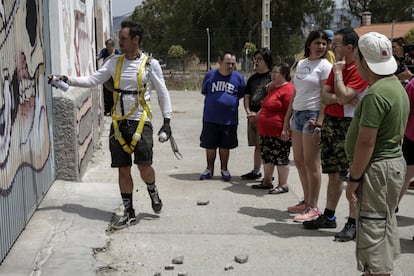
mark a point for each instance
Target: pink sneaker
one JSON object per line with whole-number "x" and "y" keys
{"x": 308, "y": 215}
{"x": 298, "y": 208}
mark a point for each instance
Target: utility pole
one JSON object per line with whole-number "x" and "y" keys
{"x": 208, "y": 49}
{"x": 266, "y": 24}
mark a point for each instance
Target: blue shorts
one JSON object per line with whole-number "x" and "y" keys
{"x": 218, "y": 136}
{"x": 304, "y": 121}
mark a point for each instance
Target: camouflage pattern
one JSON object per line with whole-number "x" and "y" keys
{"x": 333, "y": 157}
{"x": 275, "y": 150}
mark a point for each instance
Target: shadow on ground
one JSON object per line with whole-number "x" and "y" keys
{"x": 86, "y": 212}
{"x": 284, "y": 227}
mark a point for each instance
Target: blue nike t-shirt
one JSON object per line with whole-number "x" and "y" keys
{"x": 222, "y": 95}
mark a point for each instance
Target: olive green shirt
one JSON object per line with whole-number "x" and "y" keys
{"x": 384, "y": 107}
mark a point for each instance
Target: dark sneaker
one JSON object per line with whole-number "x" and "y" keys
{"x": 321, "y": 222}
{"x": 155, "y": 200}
{"x": 225, "y": 175}
{"x": 207, "y": 174}
{"x": 125, "y": 220}
{"x": 251, "y": 175}
{"x": 346, "y": 234}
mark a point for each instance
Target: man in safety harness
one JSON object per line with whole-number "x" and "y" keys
{"x": 134, "y": 75}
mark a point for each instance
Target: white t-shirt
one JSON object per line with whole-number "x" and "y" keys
{"x": 153, "y": 77}
{"x": 307, "y": 81}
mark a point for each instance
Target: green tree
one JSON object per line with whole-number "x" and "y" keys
{"x": 231, "y": 24}
{"x": 249, "y": 48}
{"x": 177, "y": 52}
{"x": 382, "y": 10}
{"x": 410, "y": 35}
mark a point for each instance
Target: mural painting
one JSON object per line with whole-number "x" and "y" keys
{"x": 84, "y": 65}
{"x": 24, "y": 130}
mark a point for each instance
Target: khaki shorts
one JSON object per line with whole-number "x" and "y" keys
{"x": 252, "y": 134}
{"x": 378, "y": 243}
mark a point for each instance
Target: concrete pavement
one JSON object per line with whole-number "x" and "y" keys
{"x": 68, "y": 234}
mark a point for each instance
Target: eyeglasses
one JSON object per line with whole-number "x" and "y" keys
{"x": 337, "y": 45}
{"x": 257, "y": 59}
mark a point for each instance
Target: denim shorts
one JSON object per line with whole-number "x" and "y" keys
{"x": 304, "y": 121}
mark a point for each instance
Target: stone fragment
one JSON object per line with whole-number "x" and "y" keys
{"x": 203, "y": 202}
{"x": 178, "y": 260}
{"x": 169, "y": 267}
{"x": 241, "y": 259}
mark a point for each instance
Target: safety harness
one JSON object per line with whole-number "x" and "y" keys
{"x": 140, "y": 100}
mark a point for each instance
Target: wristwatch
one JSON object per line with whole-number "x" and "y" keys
{"x": 351, "y": 179}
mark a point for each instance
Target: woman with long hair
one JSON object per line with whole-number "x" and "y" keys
{"x": 304, "y": 119}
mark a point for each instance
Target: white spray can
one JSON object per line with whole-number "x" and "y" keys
{"x": 59, "y": 84}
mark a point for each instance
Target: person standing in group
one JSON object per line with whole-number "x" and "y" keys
{"x": 340, "y": 94}
{"x": 408, "y": 142}
{"x": 135, "y": 75}
{"x": 330, "y": 55}
{"x": 253, "y": 96}
{"x": 222, "y": 88}
{"x": 274, "y": 142}
{"x": 105, "y": 54}
{"x": 373, "y": 146}
{"x": 108, "y": 51}
{"x": 398, "y": 44}
{"x": 305, "y": 110}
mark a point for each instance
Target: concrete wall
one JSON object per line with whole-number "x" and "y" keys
{"x": 77, "y": 112}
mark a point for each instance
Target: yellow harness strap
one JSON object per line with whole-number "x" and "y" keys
{"x": 140, "y": 100}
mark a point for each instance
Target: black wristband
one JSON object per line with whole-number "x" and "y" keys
{"x": 351, "y": 179}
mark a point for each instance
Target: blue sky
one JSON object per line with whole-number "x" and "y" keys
{"x": 121, "y": 7}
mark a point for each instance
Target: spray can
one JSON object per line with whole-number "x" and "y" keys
{"x": 162, "y": 137}
{"x": 59, "y": 84}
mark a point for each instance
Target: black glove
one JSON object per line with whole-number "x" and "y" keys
{"x": 166, "y": 128}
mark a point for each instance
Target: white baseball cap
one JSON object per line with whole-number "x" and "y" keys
{"x": 377, "y": 51}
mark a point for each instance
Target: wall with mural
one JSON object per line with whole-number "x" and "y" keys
{"x": 73, "y": 53}
{"x": 26, "y": 159}
{"x": 39, "y": 37}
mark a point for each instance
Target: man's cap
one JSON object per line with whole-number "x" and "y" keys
{"x": 329, "y": 34}
{"x": 377, "y": 51}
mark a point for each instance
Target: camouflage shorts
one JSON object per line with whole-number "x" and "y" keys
{"x": 275, "y": 150}
{"x": 333, "y": 157}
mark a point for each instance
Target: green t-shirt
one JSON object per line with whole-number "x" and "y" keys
{"x": 385, "y": 107}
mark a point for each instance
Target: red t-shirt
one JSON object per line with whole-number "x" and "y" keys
{"x": 274, "y": 107}
{"x": 351, "y": 79}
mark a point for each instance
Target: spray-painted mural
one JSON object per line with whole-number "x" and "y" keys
{"x": 24, "y": 131}
{"x": 34, "y": 125}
